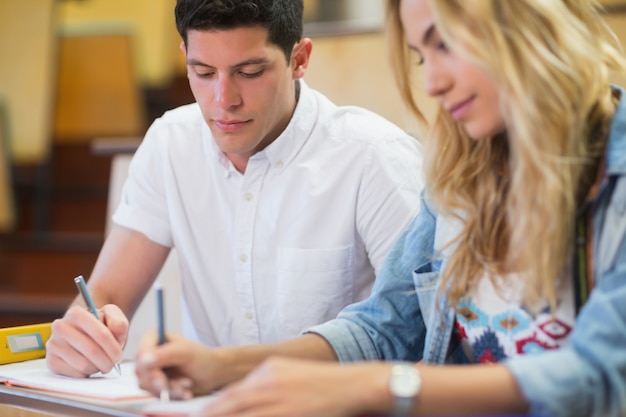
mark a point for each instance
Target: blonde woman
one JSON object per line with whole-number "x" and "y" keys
{"x": 523, "y": 217}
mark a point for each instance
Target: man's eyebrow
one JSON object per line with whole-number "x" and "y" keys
{"x": 251, "y": 61}
{"x": 195, "y": 62}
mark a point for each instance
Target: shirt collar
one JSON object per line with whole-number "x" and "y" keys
{"x": 216, "y": 153}
{"x": 292, "y": 139}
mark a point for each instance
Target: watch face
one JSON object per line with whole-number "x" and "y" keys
{"x": 405, "y": 381}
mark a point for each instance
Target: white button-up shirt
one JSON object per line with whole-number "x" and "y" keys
{"x": 288, "y": 244}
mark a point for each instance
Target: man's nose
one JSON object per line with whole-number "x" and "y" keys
{"x": 226, "y": 92}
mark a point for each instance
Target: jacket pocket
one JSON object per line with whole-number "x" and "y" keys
{"x": 426, "y": 290}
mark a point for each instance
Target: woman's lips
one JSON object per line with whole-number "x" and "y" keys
{"x": 459, "y": 110}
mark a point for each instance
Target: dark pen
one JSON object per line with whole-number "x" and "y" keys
{"x": 165, "y": 391}
{"x": 82, "y": 289}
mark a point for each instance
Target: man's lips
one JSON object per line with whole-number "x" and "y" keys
{"x": 230, "y": 125}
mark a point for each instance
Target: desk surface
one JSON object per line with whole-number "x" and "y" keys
{"x": 51, "y": 404}
{"x": 43, "y": 403}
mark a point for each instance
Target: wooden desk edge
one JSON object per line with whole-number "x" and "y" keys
{"x": 46, "y": 403}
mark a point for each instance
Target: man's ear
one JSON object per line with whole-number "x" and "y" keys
{"x": 183, "y": 48}
{"x": 300, "y": 57}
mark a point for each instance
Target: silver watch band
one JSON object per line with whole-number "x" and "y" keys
{"x": 405, "y": 383}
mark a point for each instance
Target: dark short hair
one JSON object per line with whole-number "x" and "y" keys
{"x": 281, "y": 18}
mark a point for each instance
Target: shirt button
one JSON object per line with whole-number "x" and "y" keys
{"x": 248, "y": 196}
{"x": 279, "y": 164}
{"x": 243, "y": 257}
{"x": 249, "y": 315}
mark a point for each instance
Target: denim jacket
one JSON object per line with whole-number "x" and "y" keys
{"x": 406, "y": 319}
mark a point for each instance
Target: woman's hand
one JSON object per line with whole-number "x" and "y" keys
{"x": 187, "y": 367}
{"x": 290, "y": 388}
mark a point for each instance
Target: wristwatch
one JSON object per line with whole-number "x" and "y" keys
{"x": 405, "y": 383}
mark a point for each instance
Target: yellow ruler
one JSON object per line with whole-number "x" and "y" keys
{"x": 22, "y": 343}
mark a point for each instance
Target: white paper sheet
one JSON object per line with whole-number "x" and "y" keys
{"x": 176, "y": 408}
{"x": 34, "y": 374}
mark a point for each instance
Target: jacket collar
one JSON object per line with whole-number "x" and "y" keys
{"x": 616, "y": 145}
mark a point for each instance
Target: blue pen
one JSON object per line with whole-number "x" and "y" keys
{"x": 165, "y": 392}
{"x": 82, "y": 289}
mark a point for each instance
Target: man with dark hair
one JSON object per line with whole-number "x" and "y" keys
{"x": 281, "y": 205}
{"x": 282, "y": 19}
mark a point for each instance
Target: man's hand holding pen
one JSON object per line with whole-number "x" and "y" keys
{"x": 91, "y": 306}
{"x": 97, "y": 344}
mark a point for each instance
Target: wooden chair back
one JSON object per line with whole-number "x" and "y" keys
{"x": 7, "y": 197}
{"x": 98, "y": 93}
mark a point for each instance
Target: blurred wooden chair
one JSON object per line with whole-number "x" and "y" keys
{"x": 98, "y": 93}
{"x": 27, "y": 73}
{"x": 7, "y": 197}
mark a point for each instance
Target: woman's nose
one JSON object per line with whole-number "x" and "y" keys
{"x": 436, "y": 80}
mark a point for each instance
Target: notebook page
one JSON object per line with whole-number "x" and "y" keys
{"x": 34, "y": 374}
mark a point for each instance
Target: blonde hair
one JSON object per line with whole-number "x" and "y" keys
{"x": 517, "y": 194}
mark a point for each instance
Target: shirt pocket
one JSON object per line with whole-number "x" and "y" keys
{"x": 313, "y": 285}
